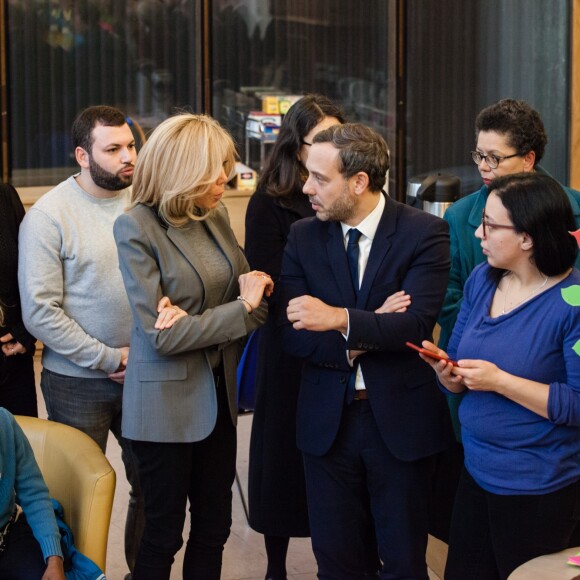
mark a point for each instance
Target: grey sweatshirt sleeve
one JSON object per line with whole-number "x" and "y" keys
{"x": 42, "y": 290}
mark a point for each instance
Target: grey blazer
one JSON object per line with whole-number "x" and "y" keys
{"x": 169, "y": 393}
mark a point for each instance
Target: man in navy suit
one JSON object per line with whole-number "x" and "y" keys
{"x": 370, "y": 416}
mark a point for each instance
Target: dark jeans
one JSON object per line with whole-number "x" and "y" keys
{"x": 362, "y": 499}
{"x": 491, "y": 535}
{"x": 22, "y": 559}
{"x": 172, "y": 473}
{"x": 94, "y": 407}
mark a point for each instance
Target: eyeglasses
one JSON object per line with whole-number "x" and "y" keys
{"x": 487, "y": 227}
{"x": 306, "y": 143}
{"x": 492, "y": 160}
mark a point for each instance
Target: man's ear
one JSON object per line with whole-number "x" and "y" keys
{"x": 361, "y": 182}
{"x": 82, "y": 157}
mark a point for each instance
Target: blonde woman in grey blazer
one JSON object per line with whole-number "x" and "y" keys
{"x": 179, "y": 401}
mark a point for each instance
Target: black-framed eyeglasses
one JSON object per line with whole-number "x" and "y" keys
{"x": 487, "y": 226}
{"x": 306, "y": 143}
{"x": 492, "y": 160}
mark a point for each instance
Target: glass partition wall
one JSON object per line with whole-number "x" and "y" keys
{"x": 139, "y": 55}
{"x": 417, "y": 71}
{"x": 463, "y": 56}
{"x": 339, "y": 48}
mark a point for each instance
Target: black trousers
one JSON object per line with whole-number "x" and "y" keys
{"x": 17, "y": 386}
{"x": 364, "y": 503}
{"x": 491, "y": 535}
{"x": 22, "y": 559}
{"x": 172, "y": 473}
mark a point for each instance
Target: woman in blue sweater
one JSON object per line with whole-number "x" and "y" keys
{"x": 29, "y": 538}
{"x": 517, "y": 343}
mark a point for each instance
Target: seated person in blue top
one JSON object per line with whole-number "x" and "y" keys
{"x": 29, "y": 539}
{"x": 516, "y": 343}
{"x": 510, "y": 138}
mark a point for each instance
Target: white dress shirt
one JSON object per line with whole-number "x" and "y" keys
{"x": 368, "y": 229}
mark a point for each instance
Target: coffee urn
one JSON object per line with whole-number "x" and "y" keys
{"x": 434, "y": 192}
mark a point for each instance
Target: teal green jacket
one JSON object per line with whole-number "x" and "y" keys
{"x": 464, "y": 217}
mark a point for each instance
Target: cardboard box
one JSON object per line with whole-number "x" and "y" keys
{"x": 278, "y": 104}
{"x": 286, "y": 101}
{"x": 244, "y": 179}
{"x": 270, "y": 105}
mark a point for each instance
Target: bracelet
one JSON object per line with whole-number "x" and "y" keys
{"x": 242, "y": 299}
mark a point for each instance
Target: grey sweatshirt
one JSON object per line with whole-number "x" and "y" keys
{"x": 72, "y": 293}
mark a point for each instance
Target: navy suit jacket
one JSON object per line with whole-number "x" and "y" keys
{"x": 410, "y": 252}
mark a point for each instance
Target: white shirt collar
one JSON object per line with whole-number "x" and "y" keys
{"x": 368, "y": 227}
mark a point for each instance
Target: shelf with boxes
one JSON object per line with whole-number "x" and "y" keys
{"x": 263, "y": 126}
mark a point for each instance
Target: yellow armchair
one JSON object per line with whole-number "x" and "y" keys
{"x": 80, "y": 477}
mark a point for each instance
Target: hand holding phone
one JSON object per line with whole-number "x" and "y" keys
{"x": 430, "y": 353}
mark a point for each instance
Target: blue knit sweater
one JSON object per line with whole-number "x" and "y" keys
{"x": 19, "y": 473}
{"x": 508, "y": 449}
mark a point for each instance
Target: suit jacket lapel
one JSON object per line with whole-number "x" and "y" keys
{"x": 379, "y": 250}
{"x": 339, "y": 263}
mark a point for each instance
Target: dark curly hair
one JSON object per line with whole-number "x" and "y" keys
{"x": 88, "y": 119}
{"x": 284, "y": 172}
{"x": 538, "y": 205}
{"x": 520, "y": 123}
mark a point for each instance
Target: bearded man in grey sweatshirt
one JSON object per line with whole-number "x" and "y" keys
{"x": 73, "y": 298}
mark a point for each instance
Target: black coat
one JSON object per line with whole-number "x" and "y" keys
{"x": 17, "y": 387}
{"x": 277, "y": 493}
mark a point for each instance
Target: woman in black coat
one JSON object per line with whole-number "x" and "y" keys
{"x": 17, "y": 387}
{"x": 277, "y": 493}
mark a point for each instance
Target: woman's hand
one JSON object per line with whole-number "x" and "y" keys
{"x": 168, "y": 314}
{"x": 54, "y": 569}
{"x": 10, "y": 346}
{"x": 253, "y": 287}
{"x": 446, "y": 372}
{"x": 480, "y": 375}
{"x": 397, "y": 302}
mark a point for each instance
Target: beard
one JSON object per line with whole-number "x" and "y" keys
{"x": 341, "y": 210}
{"x": 107, "y": 180}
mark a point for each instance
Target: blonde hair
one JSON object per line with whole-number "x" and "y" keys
{"x": 180, "y": 162}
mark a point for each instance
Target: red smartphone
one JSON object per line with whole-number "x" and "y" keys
{"x": 429, "y": 353}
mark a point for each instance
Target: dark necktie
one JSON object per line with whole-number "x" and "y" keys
{"x": 352, "y": 253}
